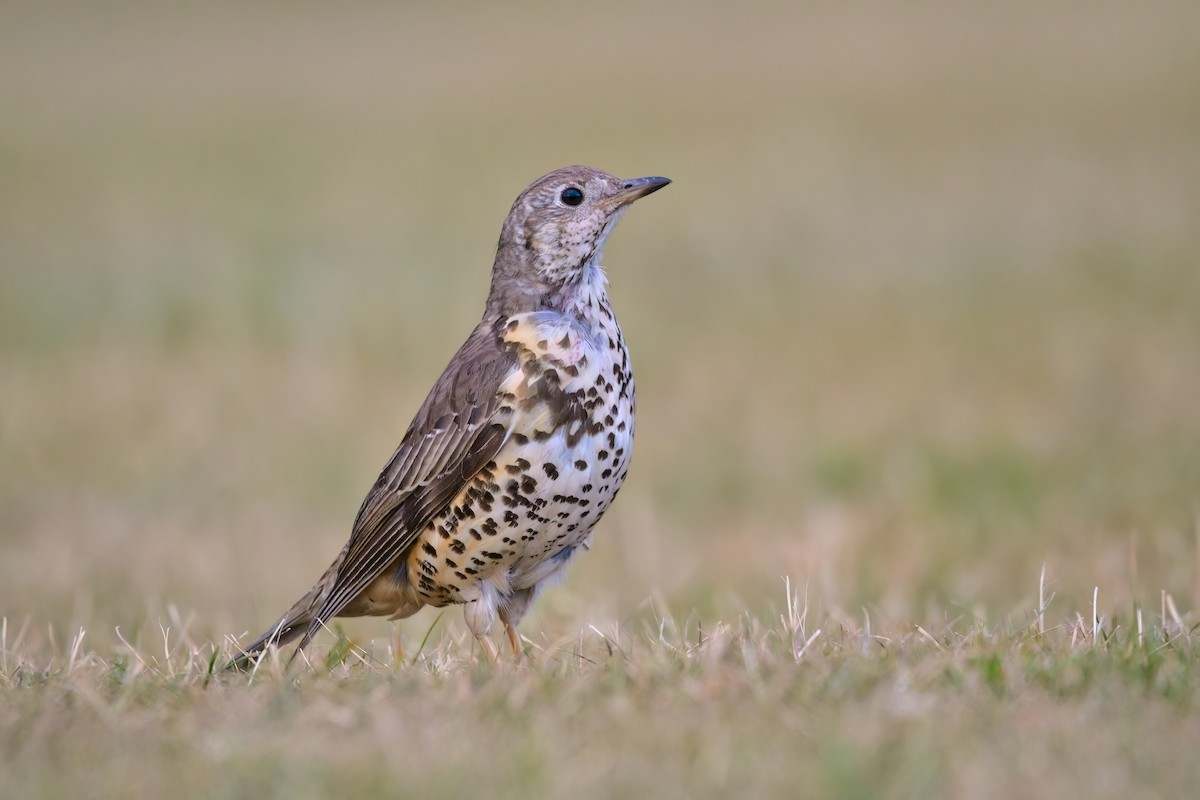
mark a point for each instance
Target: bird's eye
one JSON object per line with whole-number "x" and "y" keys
{"x": 571, "y": 196}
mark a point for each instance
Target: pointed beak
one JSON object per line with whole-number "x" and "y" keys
{"x": 638, "y": 187}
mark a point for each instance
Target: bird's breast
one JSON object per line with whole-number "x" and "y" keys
{"x": 562, "y": 464}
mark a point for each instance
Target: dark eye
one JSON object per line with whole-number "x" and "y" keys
{"x": 571, "y": 196}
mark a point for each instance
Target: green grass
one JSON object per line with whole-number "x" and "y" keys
{"x": 919, "y": 315}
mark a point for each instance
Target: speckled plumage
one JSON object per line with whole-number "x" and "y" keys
{"x": 521, "y": 445}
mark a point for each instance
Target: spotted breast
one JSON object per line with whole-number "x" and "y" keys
{"x": 518, "y": 521}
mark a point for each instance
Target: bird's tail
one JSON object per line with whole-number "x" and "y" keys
{"x": 292, "y": 625}
{"x": 302, "y": 619}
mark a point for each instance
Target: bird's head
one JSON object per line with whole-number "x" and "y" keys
{"x": 557, "y": 227}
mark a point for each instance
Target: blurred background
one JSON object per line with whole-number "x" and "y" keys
{"x": 920, "y": 313}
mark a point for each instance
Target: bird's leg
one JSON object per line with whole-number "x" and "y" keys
{"x": 514, "y": 638}
{"x": 489, "y": 648}
{"x": 511, "y": 610}
{"x": 480, "y": 615}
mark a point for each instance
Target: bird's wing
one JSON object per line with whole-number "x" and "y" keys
{"x": 459, "y": 429}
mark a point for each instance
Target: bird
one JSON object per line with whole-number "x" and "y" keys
{"x": 520, "y": 446}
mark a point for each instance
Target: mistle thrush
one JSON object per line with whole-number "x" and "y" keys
{"x": 521, "y": 445}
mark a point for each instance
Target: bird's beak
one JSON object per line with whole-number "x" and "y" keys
{"x": 634, "y": 188}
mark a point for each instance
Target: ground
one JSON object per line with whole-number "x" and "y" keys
{"x": 918, "y": 318}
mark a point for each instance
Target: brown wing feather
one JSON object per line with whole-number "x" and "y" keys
{"x": 459, "y": 429}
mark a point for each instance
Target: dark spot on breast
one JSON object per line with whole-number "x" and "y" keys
{"x": 565, "y": 341}
{"x": 580, "y": 464}
{"x": 451, "y": 564}
{"x": 458, "y": 547}
{"x": 542, "y": 344}
{"x": 603, "y": 454}
{"x": 520, "y": 438}
{"x": 511, "y": 518}
{"x": 528, "y": 485}
{"x": 522, "y": 464}
{"x": 551, "y": 470}
{"x": 429, "y": 549}
{"x": 606, "y": 473}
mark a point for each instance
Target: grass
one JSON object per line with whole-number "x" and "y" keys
{"x": 692, "y": 708}
{"x": 919, "y": 315}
